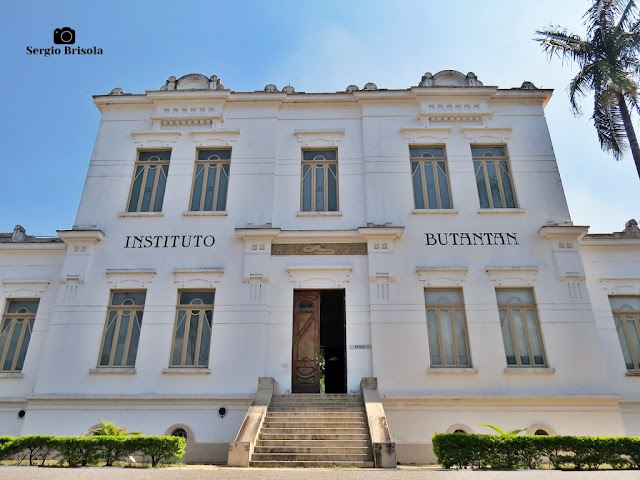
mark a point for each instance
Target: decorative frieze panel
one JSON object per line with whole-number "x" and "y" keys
{"x": 214, "y": 138}
{"x": 512, "y": 276}
{"x": 130, "y": 278}
{"x": 319, "y": 249}
{"x": 197, "y": 277}
{"x": 453, "y": 112}
{"x": 621, "y": 286}
{"x": 319, "y": 138}
{"x": 442, "y": 276}
{"x": 24, "y": 288}
{"x": 488, "y": 134}
{"x": 155, "y": 139}
{"x": 425, "y": 134}
{"x": 326, "y": 276}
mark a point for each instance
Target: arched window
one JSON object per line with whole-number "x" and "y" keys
{"x": 180, "y": 432}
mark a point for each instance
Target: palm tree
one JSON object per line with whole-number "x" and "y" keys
{"x": 609, "y": 66}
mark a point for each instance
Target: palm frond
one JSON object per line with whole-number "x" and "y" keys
{"x": 626, "y": 20}
{"x": 608, "y": 122}
{"x": 562, "y": 43}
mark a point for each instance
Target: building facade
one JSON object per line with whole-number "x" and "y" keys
{"x": 418, "y": 236}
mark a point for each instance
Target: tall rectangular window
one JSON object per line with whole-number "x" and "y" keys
{"x": 430, "y": 178}
{"x": 210, "y": 181}
{"x": 192, "y": 330}
{"x": 15, "y": 333}
{"x": 493, "y": 177}
{"x": 626, "y": 314}
{"x": 447, "y": 328}
{"x": 319, "y": 181}
{"x": 149, "y": 181}
{"x": 122, "y": 329}
{"x": 520, "y": 327}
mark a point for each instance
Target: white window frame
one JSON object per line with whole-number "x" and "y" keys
{"x": 453, "y": 348}
{"x": 481, "y": 165}
{"x": 142, "y": 169}
{"x": 9, "y": 324}
{"x": 314, "y": 166}
{"x": 183, "y": 314}
{"x": 217, "y": 166}
{"x": 136, "y": 314}
{"x": 631, "y": 339}
{"x": 419, "y": 166}
{"x": 509, "y": 310}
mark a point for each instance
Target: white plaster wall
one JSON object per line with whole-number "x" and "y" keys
{"x": 251, "y": 334}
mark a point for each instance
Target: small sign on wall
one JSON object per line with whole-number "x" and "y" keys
{"x": 359, "y": 347}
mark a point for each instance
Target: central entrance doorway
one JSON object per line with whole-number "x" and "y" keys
{"x": 319, "y": 360}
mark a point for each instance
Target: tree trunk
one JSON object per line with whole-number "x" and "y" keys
{"x": 631, "y": 134}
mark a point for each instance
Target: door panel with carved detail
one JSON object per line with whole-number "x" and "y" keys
{"x": 306, "y": 342}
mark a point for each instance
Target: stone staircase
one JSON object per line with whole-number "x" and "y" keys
{"x": 314, "y": 430}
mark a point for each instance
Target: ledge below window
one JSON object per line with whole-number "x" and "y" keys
{"x": 451, "y": 371}
{"x": 10, "y": 374}
{"x": 187, "y": 371}
{"x": 140, "y": 214}
{"x": 634, "y": 373}
{"x": 113, "y": 371}
{"x": 501, "y": 210}
{"x": 529, "y": 371}
{"x": 319, "y": 214}
{"x": 432, "y": 211}
{"x": 216, "y": 213}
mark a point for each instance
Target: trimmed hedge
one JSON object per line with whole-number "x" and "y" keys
{"x": 525, "y": 451}
{"x": 82, "y": 451}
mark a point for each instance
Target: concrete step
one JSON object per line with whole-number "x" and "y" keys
{"x": 318, "y": 457}
{"x": 316, "y": 408}
{"x": 322, "y": 396}
{"x": 308, "y": 464}
{"x": 315, "y": 443}
{"x": 305, "y": 423}
{"x": 312, "y": 414}
{"x": 314, "y": 436}
{"x": 315, "y": 449}
{"x": 314, "y": 431}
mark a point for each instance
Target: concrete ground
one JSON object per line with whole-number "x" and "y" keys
{"x": 225, "y": 473}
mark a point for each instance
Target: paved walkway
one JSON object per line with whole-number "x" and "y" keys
{"x": 224, "y": 473}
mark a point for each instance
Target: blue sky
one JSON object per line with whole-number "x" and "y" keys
{"x": 49, "y": 122}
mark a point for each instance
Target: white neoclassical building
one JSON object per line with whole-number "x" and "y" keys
{"x": 419, "y": 236}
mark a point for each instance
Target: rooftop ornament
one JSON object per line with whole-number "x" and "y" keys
{"x": 449, "y": 78}
{"x": 193, "y": 81}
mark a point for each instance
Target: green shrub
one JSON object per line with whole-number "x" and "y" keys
{"x": 78, "y": 451}
{"x": 524, "y": 451}
{"x": 161, "y": 448}
{"x": 83, "y": 451}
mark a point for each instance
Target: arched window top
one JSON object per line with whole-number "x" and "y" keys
{"x": 305, "y": 304}
{"x": 180, "y": 432}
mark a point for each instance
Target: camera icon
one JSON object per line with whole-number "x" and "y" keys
{"x": 64, "y": 36}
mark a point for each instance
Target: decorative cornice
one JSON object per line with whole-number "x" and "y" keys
{"x": 425, "y": 134}
{"x": 214, "y": 137}
{"x": 319, "y": 137}
{"x": 155, "y": 138}
{"x": 512, "y": 276}
{"x": 487, "y": 134}
{"x": 442, "y": 276}
{"x": 551, "y": 232}
{"x": 81, "y": 236}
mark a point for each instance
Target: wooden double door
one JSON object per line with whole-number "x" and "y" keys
{"x": 319, "y": 354}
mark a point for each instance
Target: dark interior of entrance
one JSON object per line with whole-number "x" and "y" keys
{"x": 333, "y": 341}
